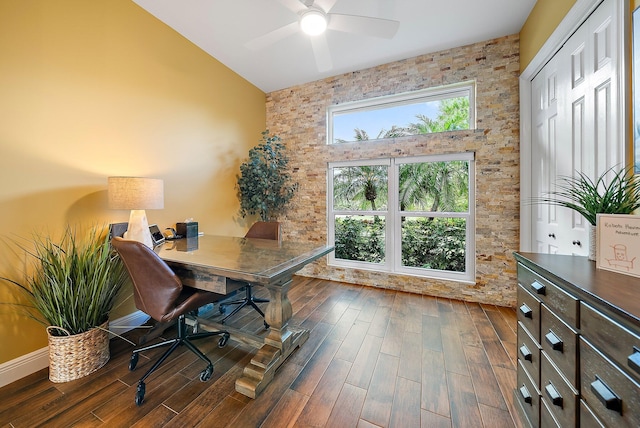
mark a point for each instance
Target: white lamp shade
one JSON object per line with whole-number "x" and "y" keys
{"x": 135, "y": 193}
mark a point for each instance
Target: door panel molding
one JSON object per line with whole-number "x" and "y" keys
{"x": 610, "y": 47}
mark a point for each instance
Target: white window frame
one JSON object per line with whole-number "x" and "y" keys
{"x": 462, "y": 89}
{"x": 386, "y": 266}
{"x": 393, "y": 215}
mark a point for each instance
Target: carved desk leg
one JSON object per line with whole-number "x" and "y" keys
{"x": 281, "y": 341}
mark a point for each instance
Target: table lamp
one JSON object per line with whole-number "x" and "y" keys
{"x": 136, "y": 194}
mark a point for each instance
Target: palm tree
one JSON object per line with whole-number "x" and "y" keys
{"x": 360, "y": 185}
{"x": 442, "y": 185}
{"x": 453, "y": 115}
{"x": 362, "y": 135}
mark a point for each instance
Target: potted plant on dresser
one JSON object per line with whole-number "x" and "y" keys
{"x": 619, "y": 194}
{"x": 71, "y": 288}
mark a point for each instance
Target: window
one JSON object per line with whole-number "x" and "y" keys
{"x": 446, "y": 108}
{"x": 406, "y": 215}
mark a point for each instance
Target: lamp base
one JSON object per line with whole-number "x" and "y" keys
{"x": 138, "y": 229}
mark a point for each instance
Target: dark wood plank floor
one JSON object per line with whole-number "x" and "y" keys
{"x": 374, "y": 358}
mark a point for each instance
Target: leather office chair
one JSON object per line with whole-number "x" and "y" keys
{"x": 260, "y": 230}
{"x": 158, "y": 292}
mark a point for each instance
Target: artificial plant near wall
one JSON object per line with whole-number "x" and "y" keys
{"x": 265, "y": 186}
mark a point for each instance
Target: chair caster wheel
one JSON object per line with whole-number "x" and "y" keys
{"x": 133, "y": 362}
{"x": 223, "y": 340}
{"x": 140, "y": 394}
{"x": 205, "y": 375}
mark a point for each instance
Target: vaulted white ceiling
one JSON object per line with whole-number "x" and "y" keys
{"x": 222, "y": 28}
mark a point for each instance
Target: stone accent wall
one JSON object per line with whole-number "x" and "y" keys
{"x": 298, "y": 115}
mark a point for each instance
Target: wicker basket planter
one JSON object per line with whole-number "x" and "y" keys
{"x": 75, "y": 356}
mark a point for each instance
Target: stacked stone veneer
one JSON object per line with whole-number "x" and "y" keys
{"x": 298, "y": 115}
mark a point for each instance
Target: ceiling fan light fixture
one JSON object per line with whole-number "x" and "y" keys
{"x": 313, "y": 22}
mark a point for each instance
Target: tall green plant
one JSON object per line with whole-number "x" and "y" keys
{"x": 621, "y": 195}
{"x": 265, "y": 185}
{"x": 74, "y": 282}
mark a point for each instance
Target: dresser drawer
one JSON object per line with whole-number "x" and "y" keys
{"x": 547, "y": 420}
{"x": 620, "y": 344}
{"x": 561, "y": 397}
{"x": 587, "y": 418}
{"x": 612, "y": 395}
{"x": 560, "y": 343}
{"x": 529, "y": 354}
{"x": 529, "y": 312}
{"x": 561, "y": 303}
{"x": 528, "y": 396}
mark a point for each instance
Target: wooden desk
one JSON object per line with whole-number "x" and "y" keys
{"x": 214, "y": 263}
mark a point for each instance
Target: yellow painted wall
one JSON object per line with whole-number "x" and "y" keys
{"x": 542, "y": 21}
{"x": 91, "y": 89}
{"x": 545, "y": 16}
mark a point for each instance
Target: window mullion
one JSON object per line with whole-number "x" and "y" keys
{"x": 394, "y": 239}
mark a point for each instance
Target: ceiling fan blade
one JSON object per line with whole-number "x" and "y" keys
{"x": 294, "y": 6}
{"x": 375, "y": 27}
{"x": 272, "y": 36}
{"x": 325, "y": 5}
{"x": 321, "y": 53}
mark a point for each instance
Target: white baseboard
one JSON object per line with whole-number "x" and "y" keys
{"x": 39, "y": 359}
{"x": 23, "y": 366}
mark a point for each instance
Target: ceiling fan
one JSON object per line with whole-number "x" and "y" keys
{"x": 314, "y": 16}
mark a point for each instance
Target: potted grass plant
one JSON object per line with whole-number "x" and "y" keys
{"x": 619, "y": 194}
{"x": 71, "y": 288}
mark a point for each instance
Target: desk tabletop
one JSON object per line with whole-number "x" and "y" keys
{"x": 260, "y": 261}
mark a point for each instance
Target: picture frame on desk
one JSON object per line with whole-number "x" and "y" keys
{"x": 618, "y": 243}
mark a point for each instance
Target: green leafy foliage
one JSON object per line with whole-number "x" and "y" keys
{"x": 359, "y": 239}
{"x": 429, "y": 243}
{"x": 434, "y": 186}
{"x": 437, "y": 243}
{"x": 360, "y": 187}
{"x": 74, "y": 284}
{"x": 453, "y": 115}
{"x": 621, "y": 195}
{"x": 265, "y": 185}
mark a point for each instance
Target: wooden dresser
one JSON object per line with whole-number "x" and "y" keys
{"x": 578, "y": 344}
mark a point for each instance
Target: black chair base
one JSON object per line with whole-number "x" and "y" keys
{"x": 247, "y": 300}
{"x": 182, "y": 339}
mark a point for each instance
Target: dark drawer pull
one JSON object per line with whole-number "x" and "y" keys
{"x": 539, "y": 288}
{"x": 526, "y": 353}
{"x": 526, "y": 311}
{"x": 633, "y": 360}
{"x": 525, "y": 394}
{"x": 554, "y": 395}
{"x": 606, "y": 395}
{"x": 554, "y": 341}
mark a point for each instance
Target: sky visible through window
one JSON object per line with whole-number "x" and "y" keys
{"x": 373, "y": 121}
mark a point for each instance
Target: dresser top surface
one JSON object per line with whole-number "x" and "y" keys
{"x": 618, "y": 292}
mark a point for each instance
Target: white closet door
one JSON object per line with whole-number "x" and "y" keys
{"x": 544, "y": 111}
{"x": 574, "y": 126}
